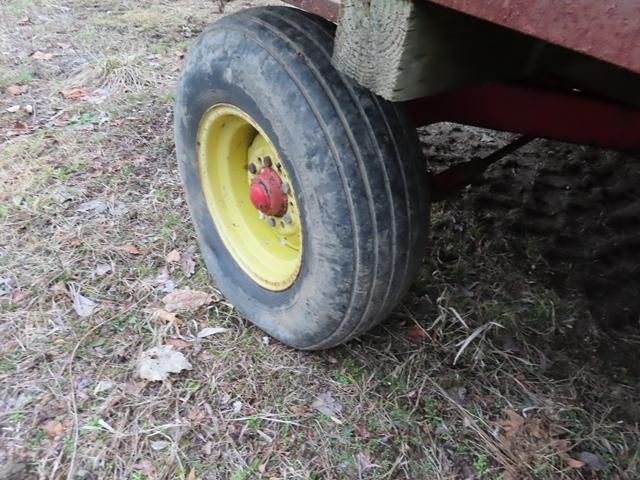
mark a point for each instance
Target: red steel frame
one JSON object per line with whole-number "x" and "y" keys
{"x": 534, "y": 112}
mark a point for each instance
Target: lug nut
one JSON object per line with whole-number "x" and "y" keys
{"x": 252, "y": 168}
{"x": 267, "y": 161}
{"x": 272, "y": 222}
{"x": 287, "y": 219}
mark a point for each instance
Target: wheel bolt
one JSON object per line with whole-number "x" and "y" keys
{"x": 252, "y": 168}
{"x": 272, "y": 222}
{"x": 267, "y": 161}
{"x": 287, "y": 219}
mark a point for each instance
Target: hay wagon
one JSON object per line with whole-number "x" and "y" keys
{"x": 296, "y": 136}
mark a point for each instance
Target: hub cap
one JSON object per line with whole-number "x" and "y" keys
{"x": 250, "y": 197}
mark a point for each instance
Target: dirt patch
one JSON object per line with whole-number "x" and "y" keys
{"x": 579, "y": 205}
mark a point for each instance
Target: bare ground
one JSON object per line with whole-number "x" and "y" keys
{"x": 489, "y": 369}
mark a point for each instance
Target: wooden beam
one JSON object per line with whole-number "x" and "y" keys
{"x": 404, "y": 49}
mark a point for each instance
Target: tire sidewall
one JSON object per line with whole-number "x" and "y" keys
{"x": 245, "y": 75}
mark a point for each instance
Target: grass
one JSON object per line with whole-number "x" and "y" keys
{"x": 426, "y": 395}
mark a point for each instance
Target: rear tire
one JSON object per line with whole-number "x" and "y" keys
{"x": 353, "y": 161}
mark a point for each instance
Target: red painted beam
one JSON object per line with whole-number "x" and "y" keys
{"x": 605, "y": 29}
{"x": 568, "y": 117}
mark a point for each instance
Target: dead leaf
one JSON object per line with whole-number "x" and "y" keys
{"x": 187, "y": 264}
{"x": 53, "y": 428}
{"x": 74, "y": 242}
{"x": 17, "y": 295}
{"x": 103, "y": 386}
{"x": 573, "y": 463}
{"x": 133, "y": 388}
{"x": 82, "y": 305}
{"x": 362, "y": 432}
{"x": 363, "y": 461}
{"x": 128, "y": 249}
{"x": 76, "y": 93}
{"x": 42, "y": 56}
{"x": 417, "y": 334}
{"x": 206, "y": 332}
{"x": 299, "y": 409}
{"x": 100, "y": 206}
{"x": 13, "y": 109}
{"x": 327, "y": 405}
{"x": 177, "y": 343}
{"x": 185, "y": 300}
{"x": 165, "y": 316}
{"x": 159, "y": 444}
{"x": 157, "y": 363}
{"x": 173, "y": 256}
{"x": 19, "y": 128}
{"x": 196, "y": 415}
{"x": 25, "y": 21}
{"x": 103, "y": 269}
{"x": 513, "y": 424}
{"x": 15, "y": 90}
{"x": 591, "y": 461}
{"x": 165, "y": 281}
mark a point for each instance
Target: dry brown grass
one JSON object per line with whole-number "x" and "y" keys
{"x": 483, "y": 372}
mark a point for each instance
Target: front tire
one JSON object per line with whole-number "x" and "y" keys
{"x": 352, "y": 161}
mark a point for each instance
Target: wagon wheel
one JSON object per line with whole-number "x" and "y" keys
{"x": 306, "y": 190}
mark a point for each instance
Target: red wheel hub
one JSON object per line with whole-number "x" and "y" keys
{"x": 266, "y": 193}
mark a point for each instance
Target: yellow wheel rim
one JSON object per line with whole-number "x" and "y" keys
{"x": 232, "y": 151}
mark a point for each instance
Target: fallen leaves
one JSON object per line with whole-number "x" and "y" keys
{"x": 99, "y": 206}
{"x": 590, "y": 461}
{"x": 157, "y": 363}
{"x": 75, "y": 93}
{"x": 417, "y": 334}
{"x": 533, "y": 438}
{"x": 177, "y": 343}
{"x": 513, "y": 424}
{"x": 185, "y": 300}
{"x": 42, "y": 56}
{"x": 19, "y": 128}
{"x": 54, "y": 429}
{"x": 103, "y": 269}
{"x": 173, "y": 256}
{"x": 207, "y": 332}
{"x": 185, "y": 260}
{"x": 82, "y": 305}
{"x": 165, "y": 316}
{"x": 187, "y": 264}
{"x": 327, "y": 405}
{"x": 128, "y": 249}
{"x": 15, "y": 90}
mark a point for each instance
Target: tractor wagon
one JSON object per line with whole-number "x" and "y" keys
{"x": 296, "y": 136}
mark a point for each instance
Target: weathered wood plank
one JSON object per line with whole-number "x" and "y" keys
{"x": 404, "y": 49}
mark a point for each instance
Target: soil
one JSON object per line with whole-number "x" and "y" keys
{"x": 579, "y": 205}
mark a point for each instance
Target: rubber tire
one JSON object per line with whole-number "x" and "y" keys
{"x": 353, "y": 160}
